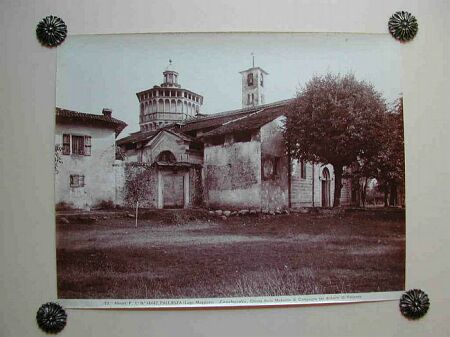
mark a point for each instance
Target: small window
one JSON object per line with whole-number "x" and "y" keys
{"x": 270, "y": 169}
{"x": 261, "y": 80}
{"x": 76, "y": 180}
{"x": 66, "y": 144}
{"x": 250, "y": 79}
{"x": 302, "y": 169}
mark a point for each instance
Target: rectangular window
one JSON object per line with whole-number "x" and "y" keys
{"x": 76, "y": 180}
{"x": 78, "y": 145}
{"x": 302, "y": 169}
{"x": 66, "y": 144}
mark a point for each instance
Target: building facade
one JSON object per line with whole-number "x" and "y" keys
{"x": 229, "y": 160}
{"x": 85, "y": 155}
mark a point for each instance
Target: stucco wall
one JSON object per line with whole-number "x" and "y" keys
{"x": 97, "y": 168}
{"x": 274, "y": 187}
{"x": 233, "y": 175}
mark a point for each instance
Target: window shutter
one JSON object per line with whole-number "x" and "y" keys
{"x": 87, "y": 145}
{"x": 66, "y": 144}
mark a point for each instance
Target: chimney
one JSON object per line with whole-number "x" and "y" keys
{"x": 107, "y": 112}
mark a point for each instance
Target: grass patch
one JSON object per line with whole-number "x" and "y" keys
{"x": 193, "y": 255}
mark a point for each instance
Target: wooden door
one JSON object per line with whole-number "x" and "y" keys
{"x": 325, "y": 193}
{"x": 173, "y": 190}
{"x": 326, "y": 188}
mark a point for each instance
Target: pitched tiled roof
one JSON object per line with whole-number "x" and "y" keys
{"x": 217, "y": 119}
{"x": 222, "y": 121}
{"x": 145, "y": 136}
{"x": 251, "y": 121}
{"x": 69, "y": 116}
{"x": 137, "y": 137}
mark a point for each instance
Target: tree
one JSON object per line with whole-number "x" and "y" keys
{"x": 390, "y": 161}
{"x": 387, "y": 165}
{"x": 335, "y": 120}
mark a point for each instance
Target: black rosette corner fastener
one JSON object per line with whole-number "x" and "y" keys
{"x": 51, "y": 317}
{"x": 414, "y": 304}
{"x": 403, "y": 26}
{"x": 51, "y": 31}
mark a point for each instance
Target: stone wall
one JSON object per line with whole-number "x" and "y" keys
{"x": 303, "y": 190}
{"x": 196, "y": 186}
{"x": 232, "y": 175}
{"x": 346, "y": 192}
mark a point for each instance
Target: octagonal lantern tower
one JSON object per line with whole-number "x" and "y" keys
{"x": 167, "y": 103}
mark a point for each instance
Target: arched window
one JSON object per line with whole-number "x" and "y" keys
{"x": 166, "y": 105}
{"x": 166, "y": 157}
{"x": 160, "y": 105}
{"x": 250, "y": 79}
{"x": 261, "y": 80}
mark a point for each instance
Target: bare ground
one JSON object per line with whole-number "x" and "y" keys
{"x": 175, "y": 254}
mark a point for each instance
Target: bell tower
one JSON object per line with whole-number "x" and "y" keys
{"x": 253, "y": 82}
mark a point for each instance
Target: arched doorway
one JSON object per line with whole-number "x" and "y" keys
{"x": 326, "y": 183}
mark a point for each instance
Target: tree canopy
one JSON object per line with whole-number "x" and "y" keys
{"x": 336, "y": 120}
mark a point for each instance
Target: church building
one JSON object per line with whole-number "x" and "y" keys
{"x": 233, "y": 160}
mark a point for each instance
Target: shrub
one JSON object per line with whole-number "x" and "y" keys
{"x": 64, "y": 206}
{"x": 105, "y": 204}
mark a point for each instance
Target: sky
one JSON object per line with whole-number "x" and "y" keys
{"x": 98, "y": 71}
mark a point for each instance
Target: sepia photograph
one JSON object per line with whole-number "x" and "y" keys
{"x": 231, "y": 165}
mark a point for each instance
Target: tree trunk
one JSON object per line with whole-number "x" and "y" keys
{"x": 364, "y": 193}
{"x": 385, "y": 197}
{"x": 393, "y": 197}
{"x": 337, "y": 185}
